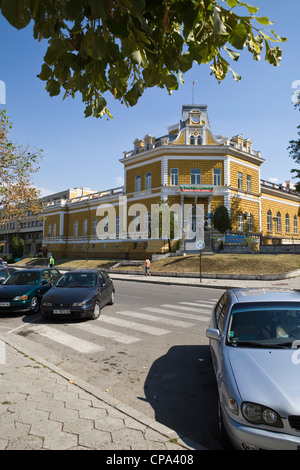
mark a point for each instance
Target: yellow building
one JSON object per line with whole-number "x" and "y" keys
{"x": 188, "y": 168}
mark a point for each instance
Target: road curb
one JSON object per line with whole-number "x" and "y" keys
{"x": 181, "y": 440}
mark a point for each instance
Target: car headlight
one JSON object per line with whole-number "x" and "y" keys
{"x": 79, "y": 304}
{"x": 259, "y": 414}
{"x": 47, "y": 304}
{"x": 20, "y": 297}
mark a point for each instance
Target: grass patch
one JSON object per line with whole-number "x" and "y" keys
{"x": 219, "y": 263}
{"x": 226, "y": 264}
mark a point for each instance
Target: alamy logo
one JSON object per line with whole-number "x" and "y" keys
{"x": 160, "y": 221}
{"x": 2, "y": 92}
{"x": 296, "y": 94}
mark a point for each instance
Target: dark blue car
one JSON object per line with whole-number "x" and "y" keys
{"x": 24, "y": 289}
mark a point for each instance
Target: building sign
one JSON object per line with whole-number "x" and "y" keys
{"x": 196, "y": 188}
{"x": 235, "y": 239}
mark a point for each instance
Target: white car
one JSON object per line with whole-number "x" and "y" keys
{"x": 254, "y": 340}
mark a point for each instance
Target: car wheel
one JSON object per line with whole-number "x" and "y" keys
{"x": 224, "y": 438}
{"x": 96, "y": 312}
{"x": 34, "y": 305}
{"x": 112, "y": 298}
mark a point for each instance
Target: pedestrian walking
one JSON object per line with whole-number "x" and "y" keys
{"x": 147, "y": 267}
{"x": 51, "y": 262}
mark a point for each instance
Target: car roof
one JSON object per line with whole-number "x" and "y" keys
{"x": 38, "y": 270}
{"x": 264, "y": 294}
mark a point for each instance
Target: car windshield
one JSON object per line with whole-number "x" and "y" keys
{"x": 77, "y": 280}
{"x": 22, "y": 278}
{"x": 270, "y": 324}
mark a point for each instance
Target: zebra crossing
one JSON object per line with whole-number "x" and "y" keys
{"x": 126, "y": 326}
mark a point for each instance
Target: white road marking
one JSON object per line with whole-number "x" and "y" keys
{"x": 189, "y": 309}
{"x": 176, "y": 314}
{"x": 167, "y": 321}
{"x": 151, "y": 330}
{"x": 68, "y": 340}
{"x": 198, "y": 304}
{"x": 106, "y": 333}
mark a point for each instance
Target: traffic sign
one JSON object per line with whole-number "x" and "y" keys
{"x": 200, "y": 245}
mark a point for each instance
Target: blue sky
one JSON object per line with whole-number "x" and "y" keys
{"x": 85, "y": 152}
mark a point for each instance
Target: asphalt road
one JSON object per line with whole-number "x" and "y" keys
{"x": 149, "y": 350}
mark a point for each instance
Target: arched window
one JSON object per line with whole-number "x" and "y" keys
{"x": 95, "y": 222}
{"x": 85, "y": 227}
{"x": 137, "y": 222}
{"x": 287, "y": 223}
{"x": 192, "y": 140}
{"x": 249, "y": 223}
{"x": 269, "y": 221}
{"x": 295, "y": 224}
{"x": 199, "y": 140}
{"x": 148, "y": 223}
{"x": 241, "y": 222}
{"x": 49, "y": 230}
{"x": 278, "y": 222}
{"x": 76, "y": 228}
{"x": 54, "y": 230}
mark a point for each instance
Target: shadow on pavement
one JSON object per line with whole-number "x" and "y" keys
{"x": 181, "y": 389}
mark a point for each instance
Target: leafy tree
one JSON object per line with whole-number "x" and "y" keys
{"x": 221, "y": 219}
{"x": 126, "y": 46}
{"x": 14, "y": 247}
{"x": 17, "y": 195}
{"x": 21, "y": 248}
{"x": 294, "y": 148}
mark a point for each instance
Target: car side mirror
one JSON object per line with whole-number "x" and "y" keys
{"x": 213, "y": 333}
{"x": 2, "y": 280}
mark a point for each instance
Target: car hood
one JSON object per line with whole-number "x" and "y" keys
{"x": 8, "y": 292}
{"x": 59, "y": 295}
{"x": 269, "y": 377}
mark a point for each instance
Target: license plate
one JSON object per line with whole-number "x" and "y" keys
{"x": 4, "y": 304}
{"x": 61, "y": 311}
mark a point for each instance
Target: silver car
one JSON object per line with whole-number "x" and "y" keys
{"x": 254, "y": 340}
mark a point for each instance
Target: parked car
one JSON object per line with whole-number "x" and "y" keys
{"x": 24, "y": 289}
{"x": 79, "y": 294}
{"x": 5, "y": 272}
{"x": 254, "y": 335}
{"x": 2, "y": 262}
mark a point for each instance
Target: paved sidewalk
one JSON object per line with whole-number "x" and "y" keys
{"x": 220, "y": 283}
{"x": 43, "y": 407}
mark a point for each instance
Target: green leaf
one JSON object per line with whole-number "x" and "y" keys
{"x": 252, "y": 9}
{"x": 56, "y": 50}
{"x": 15, "y": 13}
{"x": 46, "y": 72}
{"x": 263, "y": 20}
{"x": 218, "y": 25}
{"x": 238, "y": 36}
{"x": 232, "y": 3}
{"x": 232, "y": 54}
{"x": 236, "y": 77}
{"x": 53, "y": 87}
{"x": 274, "y": 55}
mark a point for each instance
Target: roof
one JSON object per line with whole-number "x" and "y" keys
{"x": 264, "y": 294}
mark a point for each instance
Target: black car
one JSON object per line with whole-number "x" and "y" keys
{"x": 23, "y": 290}
{"x": 5, "y": 273}
{"x": 79, "y": 294}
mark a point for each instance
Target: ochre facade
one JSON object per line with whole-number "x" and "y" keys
{"x": 189, "y": 166}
